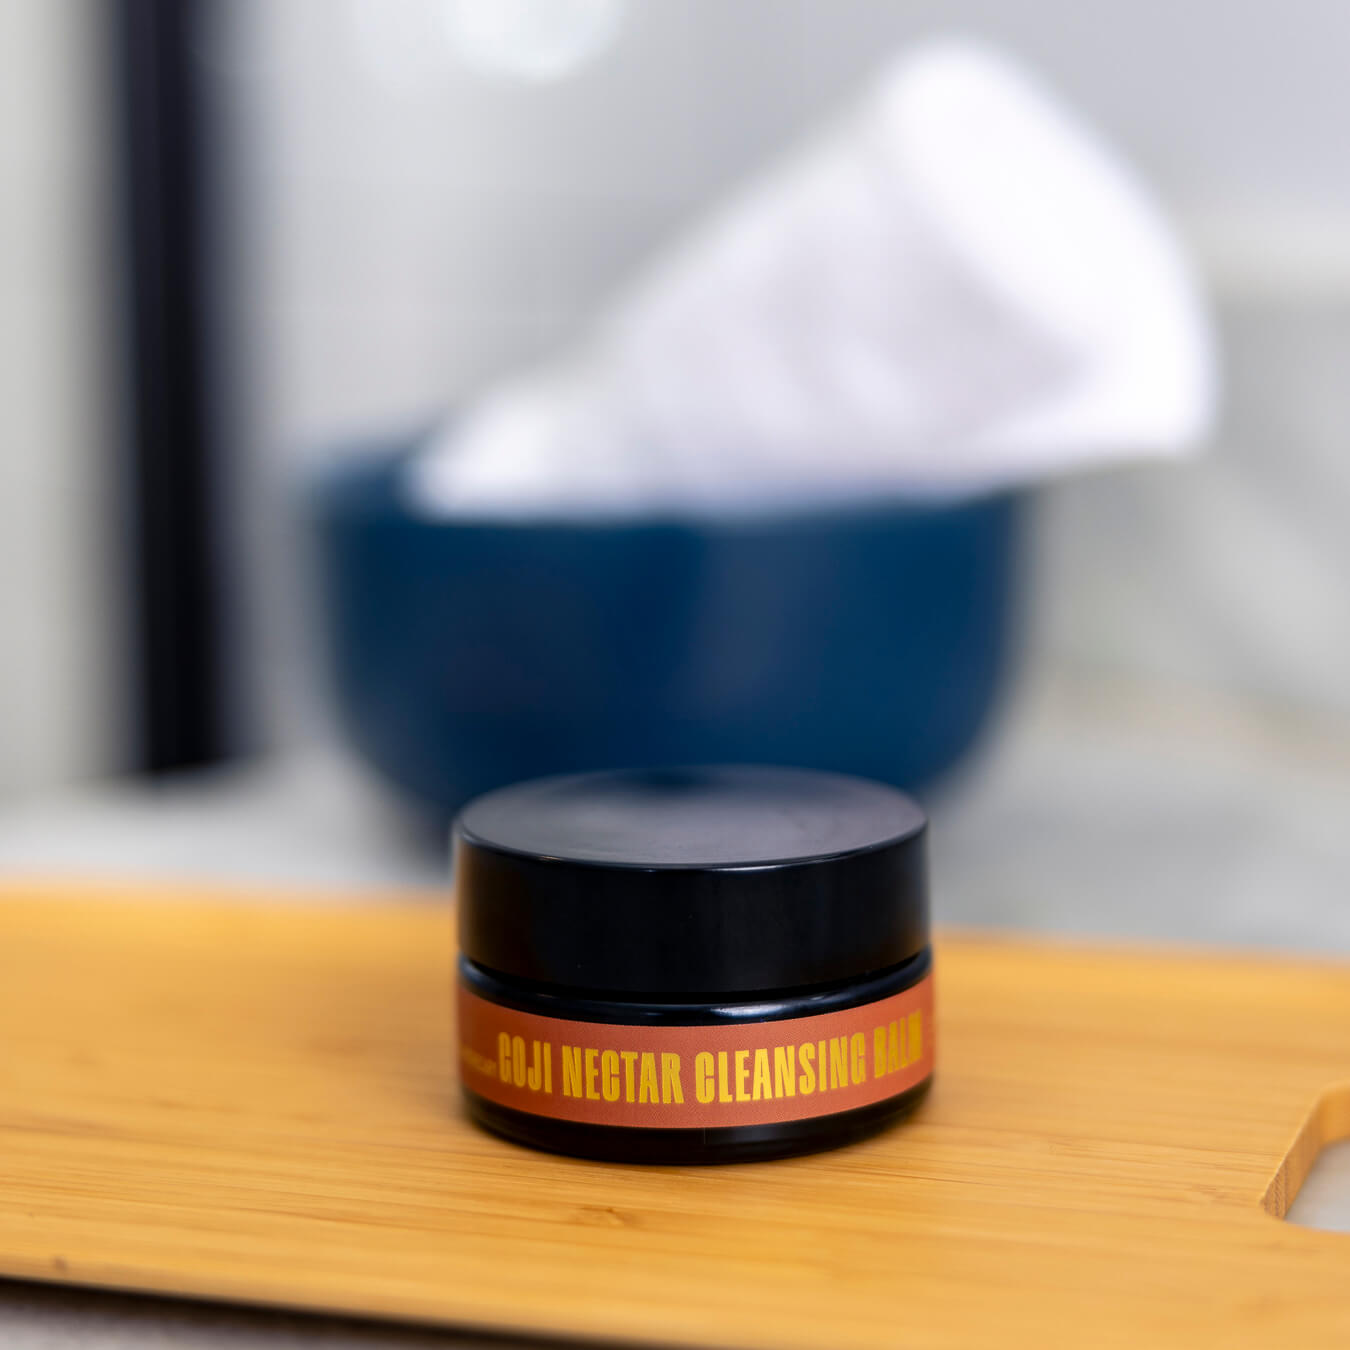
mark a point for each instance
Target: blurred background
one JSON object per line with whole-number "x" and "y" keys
{"x": 244, "y": 242}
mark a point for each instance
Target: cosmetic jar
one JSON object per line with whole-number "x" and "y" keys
{"x": 692, "y": 965}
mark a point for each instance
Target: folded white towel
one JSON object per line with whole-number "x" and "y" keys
{"x": 955, "y": 288}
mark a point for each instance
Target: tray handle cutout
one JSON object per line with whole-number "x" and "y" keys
{"x": 1327, "y": 1123}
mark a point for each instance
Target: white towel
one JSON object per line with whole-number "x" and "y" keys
{"x": 955, "y": 288}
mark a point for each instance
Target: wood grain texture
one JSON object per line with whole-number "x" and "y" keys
{"x": 256, "y": 1102}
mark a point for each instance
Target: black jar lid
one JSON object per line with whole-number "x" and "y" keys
{"x": 700, "y": 881}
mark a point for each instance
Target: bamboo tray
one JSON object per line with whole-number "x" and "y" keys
{"x": 255, "y": 1102}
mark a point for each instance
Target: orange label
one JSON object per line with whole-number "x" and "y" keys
{"x": 681, "y": 1077}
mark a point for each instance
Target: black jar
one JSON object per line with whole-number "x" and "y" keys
{"x": 693, "y": 965}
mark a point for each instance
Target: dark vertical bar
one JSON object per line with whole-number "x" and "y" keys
{"x": 174, "y": 532}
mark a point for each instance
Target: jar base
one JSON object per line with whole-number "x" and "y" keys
{"x": 736, "y": 1143}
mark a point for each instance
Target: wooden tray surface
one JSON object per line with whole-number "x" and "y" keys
{"x": 234, "y": 1099}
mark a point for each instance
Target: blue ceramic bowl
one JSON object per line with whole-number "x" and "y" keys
{"x": 466, "y": 656}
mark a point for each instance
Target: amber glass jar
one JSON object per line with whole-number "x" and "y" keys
{"x": 694, "y": 965}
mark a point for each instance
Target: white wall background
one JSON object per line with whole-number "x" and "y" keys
{"x": 414, "y": 225}
{"x": 59, "y": 670}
